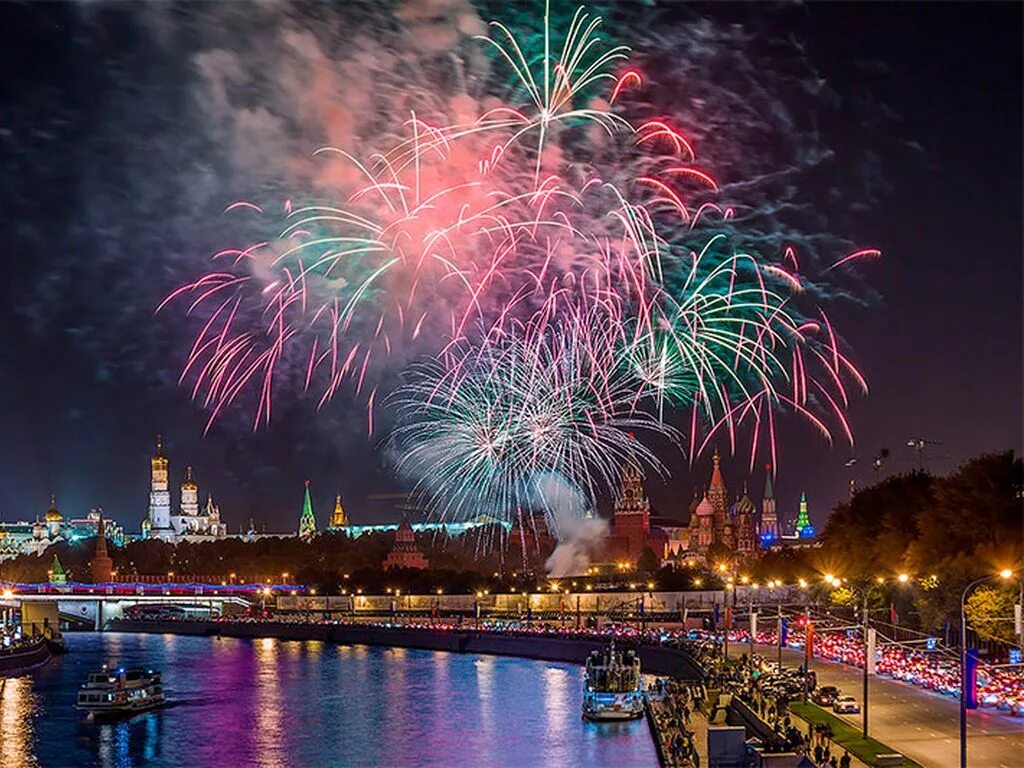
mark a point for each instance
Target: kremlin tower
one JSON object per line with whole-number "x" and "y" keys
{"x": 101, "y": 566}
{"x": 338, "y": 519}
{"x": 631, "y": 530}
{"x": 405, "y": 553}
{"x": 307, "y": 522}
{"x": 804, "y": 529}
{"x": 768, "y": 531}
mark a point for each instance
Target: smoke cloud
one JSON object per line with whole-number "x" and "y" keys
{"x": 579, "y": 537}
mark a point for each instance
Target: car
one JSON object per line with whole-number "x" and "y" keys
{"x": 825, "y": 695}
{"x": 846, "y": 705}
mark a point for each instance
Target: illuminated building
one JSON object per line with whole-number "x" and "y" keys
{"x": 159, "y": 517}
{"x": 33, "y": 538}
{"x": 190, "y": 523}
{"x": 405, "y": 553}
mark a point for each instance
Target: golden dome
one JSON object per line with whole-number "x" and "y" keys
{"x": 53, "y": 515}
{"x": 189, "y": 484}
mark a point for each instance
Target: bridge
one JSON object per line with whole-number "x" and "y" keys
{"x": 97, "y": 604}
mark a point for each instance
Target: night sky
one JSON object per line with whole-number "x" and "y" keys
{"x": 115, "y": 170}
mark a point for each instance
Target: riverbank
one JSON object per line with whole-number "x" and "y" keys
{"x": 655, "y": 659}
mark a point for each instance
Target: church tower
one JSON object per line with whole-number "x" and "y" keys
{"x": 159, "y": 494}
{"x": 743, "y": 523}
{"x": 769, "y": 528}
{"x": 189, "y": 495}
{"x": 704, "y": 514}
{"x": 718, "y": 497}
{"x": 338, "y": 519}
{"x": 307, "y": 522}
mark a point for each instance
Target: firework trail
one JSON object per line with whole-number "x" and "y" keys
{"x": 568, "y": 268}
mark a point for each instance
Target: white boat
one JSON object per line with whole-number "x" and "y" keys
{"x": 120, "y": 692}
{"x": 611, "y": 688}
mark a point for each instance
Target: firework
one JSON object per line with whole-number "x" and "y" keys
{"x": 568, "y": 272}
{"x": 483, "y": 427}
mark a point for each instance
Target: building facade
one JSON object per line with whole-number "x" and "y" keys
{"x": 33, "y": 537}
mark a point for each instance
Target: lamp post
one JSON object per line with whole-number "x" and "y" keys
{"x": 863, "y": 593}
{"x": 1005, "y": 575}
{"x": 753, "y": 623}
{"x": 729, "y": 583}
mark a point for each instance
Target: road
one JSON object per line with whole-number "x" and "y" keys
{"x": 923, "y": 725}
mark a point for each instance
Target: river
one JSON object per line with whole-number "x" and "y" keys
{"x": 311, "y": 704}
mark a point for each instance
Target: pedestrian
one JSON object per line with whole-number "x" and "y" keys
{"x": 817, "y": 754}
{"x": 832, "y": 762}
{"x": 827, "y": 754}
{"x": 844, "y": 761}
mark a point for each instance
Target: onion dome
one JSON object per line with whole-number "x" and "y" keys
{"x": 189, "y": 484}
{"x": 705, "y": 507}
{"x": 744, "y": 506}
{"x": 53, "y": 514}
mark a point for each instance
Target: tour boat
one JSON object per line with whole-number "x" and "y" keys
{"x": 120, "y": 692}
{"x": 611, "y": 688}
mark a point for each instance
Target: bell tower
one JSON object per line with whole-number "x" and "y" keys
{"x": 159, "y": 493}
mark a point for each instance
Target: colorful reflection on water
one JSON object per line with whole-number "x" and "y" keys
{"x": 312, "y": 704}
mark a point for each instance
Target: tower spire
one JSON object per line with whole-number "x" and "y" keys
{"x": 717, "y": 481}
{"x": 307, "y": 521}
{"x": 804, "y": 529}
{"x": 101, "y": 566}
{"x": 338, "y": 518}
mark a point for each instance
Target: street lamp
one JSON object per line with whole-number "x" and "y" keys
{"x": 1005, "y": 575}
{"x": 864, "y": 593}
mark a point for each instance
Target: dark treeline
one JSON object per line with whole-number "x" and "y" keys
{"x": 942, "y": 532}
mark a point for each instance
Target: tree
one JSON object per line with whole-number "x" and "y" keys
{"x": 990, "y": 613}
{"x": 648, "y": 562}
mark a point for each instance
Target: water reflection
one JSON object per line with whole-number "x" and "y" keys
{"x": 17, "y": 704}
{"x": 270, "y": 703}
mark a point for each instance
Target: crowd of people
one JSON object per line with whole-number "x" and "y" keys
{"x": 672, "y": 708}
{"x": 768, "y": 695}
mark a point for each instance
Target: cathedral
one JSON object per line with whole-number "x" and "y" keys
{"x": 715, "y": 524}
{"x": 189, "y": 522}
